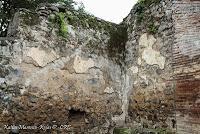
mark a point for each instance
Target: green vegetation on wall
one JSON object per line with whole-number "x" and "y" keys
{"x": 143, "y": 18}
{"x": 147, "y": 3}
{"x": 60, "y": 18}
{"x": 78, "y": 18}
{"x": 59, "y": 21}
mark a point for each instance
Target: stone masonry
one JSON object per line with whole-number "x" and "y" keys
{"x": 141, "y": 74}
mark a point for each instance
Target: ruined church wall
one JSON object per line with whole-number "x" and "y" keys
{"x": 163, "y": 66}
{"x": 47, "y": 79}
{"x": 102, "y": 75}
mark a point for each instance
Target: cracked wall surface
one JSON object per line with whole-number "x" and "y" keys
{"x": 141, "y": 74}
{"x": 50, "y": 80}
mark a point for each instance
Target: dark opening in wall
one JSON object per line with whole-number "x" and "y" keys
{"x": 77, "y": 120}
{"x": 76, "y": 115}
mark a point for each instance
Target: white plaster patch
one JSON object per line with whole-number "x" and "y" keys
{"x": 134, "y": 69}
{"x": 82, "y": 66}
{"x": 109, "y": 90}
{"x": 147, "y": 40}
{"x": 41, "y": 57}
{"x": 151, "y": 56}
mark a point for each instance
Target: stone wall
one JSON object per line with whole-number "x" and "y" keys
{"x": 148, "y": 61}
{"x": 141, "y": 74}
{"x": 163, "y": 66}
{"x": 50, "y": 80}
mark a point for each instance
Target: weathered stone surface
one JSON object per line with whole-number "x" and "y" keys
{"x": 150, "y": 99}
{"x": 60, "y": 81}
{"x": 54, "y": 8}
{"x": 82, "y": 66}
{"x": 134, "y": 69}
{"x": 80, "y": 80}
{"x": 109, "y": 90}
{"x": 41, "y": 57}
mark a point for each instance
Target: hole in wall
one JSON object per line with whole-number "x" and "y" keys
{"x": 76, "y": 115}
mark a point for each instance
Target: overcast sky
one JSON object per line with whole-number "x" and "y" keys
{"x": 110, "y": 10}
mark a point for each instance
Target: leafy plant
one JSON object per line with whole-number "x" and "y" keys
{"x": 60, "y": 19}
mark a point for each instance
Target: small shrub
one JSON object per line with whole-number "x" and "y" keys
{"x": 62, "y": 25}
{"x": 59, "y": 19}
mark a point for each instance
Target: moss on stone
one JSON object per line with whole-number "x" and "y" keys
{"x": 117, "y": 43}
{"x": 85, "y": 20}
{"x": 144, "y": 20}
{"x": 142, "y": 6}
{"x": 147, "y": 3}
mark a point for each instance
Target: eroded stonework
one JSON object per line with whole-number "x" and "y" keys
{"x": 41, "y": 57}
{"x": 56, "y": 81}
{"x": 150, "y": 82}
{"x": 82, "y": 66}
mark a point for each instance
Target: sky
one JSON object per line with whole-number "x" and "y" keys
{"x": 110, "y": 10}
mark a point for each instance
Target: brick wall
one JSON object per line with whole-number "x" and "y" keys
{"x": 186, "y": 64}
